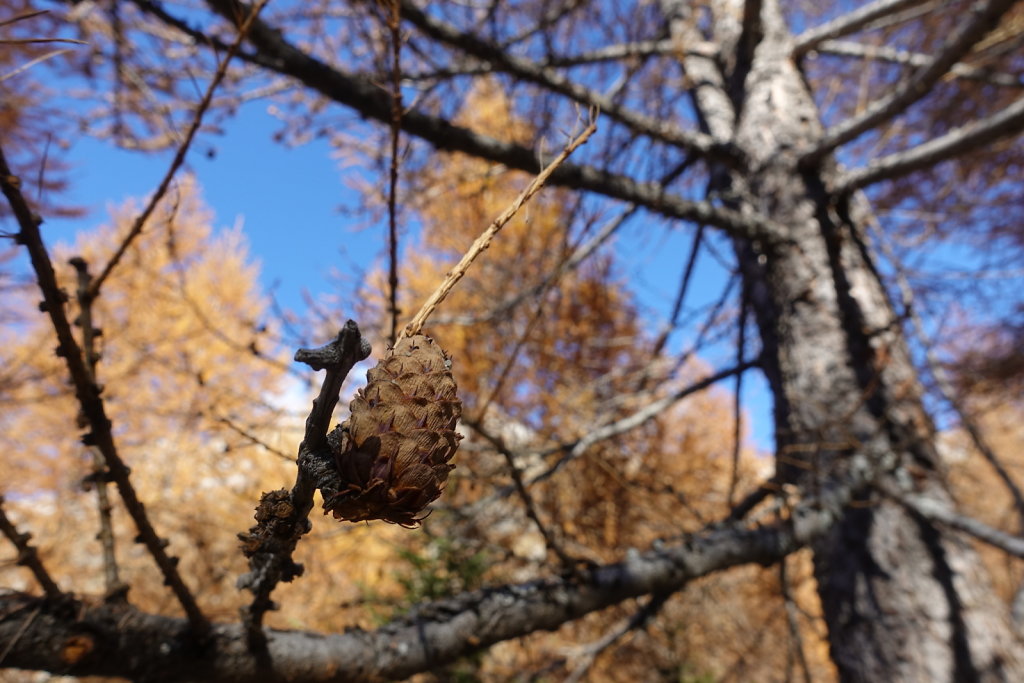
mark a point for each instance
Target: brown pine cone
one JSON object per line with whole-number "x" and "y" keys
{"x": 393, "y": 451}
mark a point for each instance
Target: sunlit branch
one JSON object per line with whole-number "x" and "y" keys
{"x": 943, "y": 514}
{"x": 589, "y": 652}
{"x": 884, "y": 53}
{"x": 574, "y": 449}
{"x": 576, "y": 257}
{"x": 88, "y": 394}
{"x": 642, "y": 48}
{"x": 657, "y": 128}
{"x": 848, "y": 23}
{"x": 484, "y": 240}
{"x": 452, "y": 627}
{"x": 28, "y": 556}
{"x": 179, "y": 156}
{"x": 1007, "y": 122}
{"x": 982, "y": 18}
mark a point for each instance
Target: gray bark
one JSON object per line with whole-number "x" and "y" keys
{"x": 905, "y": 600}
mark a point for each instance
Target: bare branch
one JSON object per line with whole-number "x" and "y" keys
{"x": 435, "y": 633}
{"x": 983, "y": 17}
{"x": 179, "y": 155}
{"x": 283, "y": 516}
{"x": 88, "y": 394}
{"x": 28, "y": 556}
{"x": 576, "y": 448}
{"x": 1005, "y": 123}
{"x": 939, "y": 512}
{"x": 848, "y": 23}
{"x": 529, "y": 505}
{"x": 484, "y": 240}
{"x": 590, "y": 651}
{"x": 115, "y": 589}
{"x": 659, "y": 129}
{"x": 365, "y": 97}
{"x": 884, "y": 53}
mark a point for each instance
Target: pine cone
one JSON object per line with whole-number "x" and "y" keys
{"x": 393, "y": 451}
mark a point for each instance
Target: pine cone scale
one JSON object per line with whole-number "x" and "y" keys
{"x": 393, "y": 452}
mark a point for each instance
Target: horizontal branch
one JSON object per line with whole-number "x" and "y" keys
{"x": 1005, "y": 123}
{"x": 641, "y": 48}
{"x": 848, "y": 23}
{"x": 884, "y": 53}
{"x": 982, "y": 18}
{"x": 127, "y": 643}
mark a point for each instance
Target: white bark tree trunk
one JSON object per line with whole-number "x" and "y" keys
{"x": 905, "y": 600}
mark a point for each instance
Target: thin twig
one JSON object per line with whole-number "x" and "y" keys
{"x": 31, "y": 63}
{"x": 737, "y": 435}
{"x": 576, "y": 448}
{"x": 484, "y": 240}
{"x": 28, "y": 556}
{"x": 112, "y": 580}
{"x": 243, "y": 432}
{"x": 528, "y": 503}
{"x": 88, "y": 395}
{"x": 394, "y": 25}
{"x": 637, "y": 621}
{"x": 179, "y": 155}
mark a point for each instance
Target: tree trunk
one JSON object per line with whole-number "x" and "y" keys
{"x": 904, "y": 600}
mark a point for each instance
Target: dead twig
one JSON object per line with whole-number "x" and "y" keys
{"x": 484, "y": 240}
{"x": 28, "y": 556}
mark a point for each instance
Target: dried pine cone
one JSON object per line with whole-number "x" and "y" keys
{"x": 393, "y": 451}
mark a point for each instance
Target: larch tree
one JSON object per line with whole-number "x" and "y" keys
{"x": 835, "y": 154}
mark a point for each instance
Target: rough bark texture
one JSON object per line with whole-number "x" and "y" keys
{"x": 904, "y": 599}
